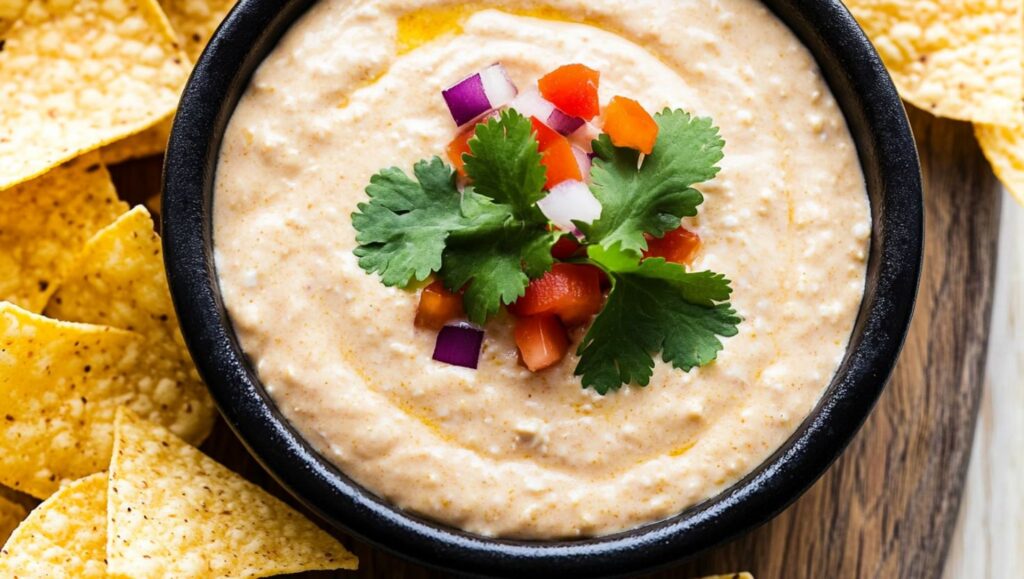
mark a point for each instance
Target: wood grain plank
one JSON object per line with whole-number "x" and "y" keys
{"x": 889, "y": 505}
{"x": 989, "y": 541}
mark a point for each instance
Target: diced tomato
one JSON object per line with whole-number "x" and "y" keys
{"x": 565, "y": 247}
{"x": 572, "y": 88}
{"x": 556, "y": 155}
{"x": 678, "y": 246}
{"x": 571, "y": 292}
{"x": 459, "y": 146}
{"x": 438, "y": 306}
{"x": 542, "y": 341}
{"x": 561, "y": 163}
{"x": 629, "y": 125}
{"x": 545, "y": 135}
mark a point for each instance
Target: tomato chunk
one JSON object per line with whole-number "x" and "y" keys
{"x": 544, "y": 134}
{"x": 629, "y": 125}
{"x": 458, "y": 147}
{"x": 560, "y": 163}
{"x": 571, "y": 292}
{"x": 542, "y": 341}
{"x": 438, "y": 306}
{"x": 572, "y": 88}
{"x": 678, "y": 246}
{"x": 556, "y": 155}
{"x": 565, "y": 247}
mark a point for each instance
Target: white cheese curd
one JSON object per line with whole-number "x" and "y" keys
{"x": 500, "y": 451}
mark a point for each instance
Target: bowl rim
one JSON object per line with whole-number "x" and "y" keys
{"x": 253, "y": 27}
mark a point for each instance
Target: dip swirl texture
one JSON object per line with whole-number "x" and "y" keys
{"x": 501, "y": 451}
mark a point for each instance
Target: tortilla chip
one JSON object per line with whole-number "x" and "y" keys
{"x": 731, "y": 576}
{"x": 11, "y": 513}
{"x": 65, "y": 537}
{"x": 174, "y": 512}
{"x": 119, "y": 281}
{"x": 195, "y": 21}
{"x": 152, "y": 141}
{"x": 78, "y": 74}
{"x": 1004, "y": 148}
{"x": 10, "y": 10}
{"x": 960, "y": 60}
{"x": 60, "y": 386}
{"x": 45, "y": 222}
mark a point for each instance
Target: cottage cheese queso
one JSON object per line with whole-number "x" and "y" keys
{"x": 500, "y": 451}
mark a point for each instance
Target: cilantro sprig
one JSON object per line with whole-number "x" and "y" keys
{"x": 491, "y": 239}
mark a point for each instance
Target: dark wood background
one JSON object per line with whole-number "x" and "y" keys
{"x": 888, "y": 507}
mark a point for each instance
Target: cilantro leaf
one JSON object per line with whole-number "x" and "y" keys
{"x": 653, "y": 198}
{"x": 403, "y": 229}
{"x": 654, "y": 306}
{"x": 505, "y": 163}
{"x": 498, "y": 269}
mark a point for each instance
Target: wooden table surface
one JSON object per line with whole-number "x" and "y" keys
{"x": 888, "y": 507}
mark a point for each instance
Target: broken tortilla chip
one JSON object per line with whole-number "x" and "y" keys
{"x": 65, "y": 537}
{"x": 174, "y": 512}
{"x": 1004, "y": 148}
{"x": 45, "y": 222}
{"x": 10, "y": 10}
{"x": 78, "y": 74}
{"x": 152, "y": 141}
{"x": 960, "y": 60}
{"x": 60, "y": 386}
{"x": 11, "y": 513}
{"x": 195, "y": 22}
{"x": 119, "y": 281}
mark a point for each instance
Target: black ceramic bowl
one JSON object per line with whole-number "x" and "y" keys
{"x": 889, "y": 159}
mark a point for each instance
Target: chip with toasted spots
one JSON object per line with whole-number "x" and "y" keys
{"x": 118, "y": 280}
{"x": 10, "y": 10}
{"x": 1003, "y": 145}
{"x": 152, "y": 141}
{"x": 78, "y": 74}
{"x": 60, "y": 386}
{"x": 960, "y": 60}
{"x": 45, "y": 222}
{"x": 64, "y": 537}
{"x": 11, "y": 513}
{"x": 195, "y": 21}
{"x": 174, "y": 512}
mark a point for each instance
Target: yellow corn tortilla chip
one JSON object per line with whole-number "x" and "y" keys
{"x": 119, "y": 281}
{"x": 195, "y": 21}
{"x": 78, "y": 74}
{"x": 174, "y": 512}
{"x": 60, "y": 386}
{"x": 1004, "y": 148}
{"x": 960, "y": 59}
{"x": 45, "y": 222}
{"x": 65, "y": 537}
{"x": 152, "y": 141}
{"x": 11, "y": 513}
{"x": 10, "y": 10}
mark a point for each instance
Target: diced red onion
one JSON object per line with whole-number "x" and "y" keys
{"x": 478, "y": 94}
{"x": 570, "y": 201}
{"x": 563, "y": 123}
{"x": 583, "y": 160}
{"x": 531, "y": 104}
{"x": 459, "y": 345}
{"x": 584, "y": 136}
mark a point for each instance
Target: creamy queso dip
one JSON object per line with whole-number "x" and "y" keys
{"x": 355, "y": 86}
